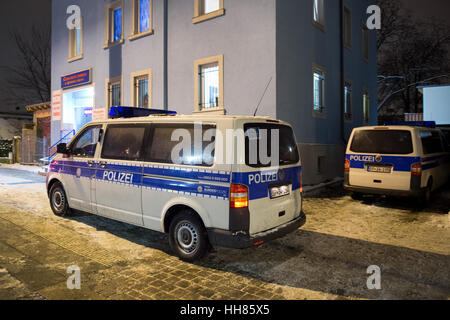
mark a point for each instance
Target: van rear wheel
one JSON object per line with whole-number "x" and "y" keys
{"x": 187, "y": 236}
{"x": 58, "y": 200}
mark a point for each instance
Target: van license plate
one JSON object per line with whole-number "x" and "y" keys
{"x": 379, "y": 169}
{"x": 278, "y": 192}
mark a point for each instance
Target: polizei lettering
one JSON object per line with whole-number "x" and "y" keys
{"x": 363, "y": 158}
{"x": 118, "y": 177}
{"x": 262, "y": 178}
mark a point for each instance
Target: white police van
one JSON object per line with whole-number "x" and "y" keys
{"x": 124, "y": 169}
{"x": 398, "y": 159}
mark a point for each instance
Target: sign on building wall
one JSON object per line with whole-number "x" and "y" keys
{"x": 99, "y": 114}
{"x": 57, "y": 105}
{"x": 76, "y": 79}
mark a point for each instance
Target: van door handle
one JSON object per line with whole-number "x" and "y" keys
{"x": 103, "y": 164}
{"x": 90, "y": 163}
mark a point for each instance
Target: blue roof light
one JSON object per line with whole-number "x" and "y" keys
{"x": 425, "y": 124}
{"x": 133, "y": 112}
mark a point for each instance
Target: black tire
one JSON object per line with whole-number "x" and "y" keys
{"x": 58, "y": 201}
{"x": 424, "y": 200}
{"x": 357, "y": 196}
{"x": 187, "y": 236}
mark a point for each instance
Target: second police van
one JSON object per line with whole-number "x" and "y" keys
{"x": 410, "y": 159}
{"x": 123, "y": 169}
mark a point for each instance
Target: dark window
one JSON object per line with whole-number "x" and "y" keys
{"x": 288, "y": 151}
{"x": 382, "y": 142}
{"x": 86, "y": 144}
{"x": 431, "y": 142}
{"x": 124, "y": 142}
{"x": 164, "y": 141}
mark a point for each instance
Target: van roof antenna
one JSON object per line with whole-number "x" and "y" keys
{"x": 257, "y": 107}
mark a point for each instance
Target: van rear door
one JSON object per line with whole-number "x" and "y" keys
{"x": 381, "y": 158}
{"x": 273, "y": 191}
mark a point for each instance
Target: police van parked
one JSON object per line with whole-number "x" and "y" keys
{"x": 124, "y": 169}
{"x": 398, "y": 159}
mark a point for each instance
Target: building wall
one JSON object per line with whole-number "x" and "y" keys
{"x": 300, "y": 44}
{"x": 436, "y": 105}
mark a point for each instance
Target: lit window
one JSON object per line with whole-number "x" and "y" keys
{"x": 207, "y": 9}
{"x": 141, "y": 89}
{"x": 114, "y": 20}
{"x": 348, "y": 100}
{"x": 347, "y": 27}
{"x": 141, "y": 18}
{"x": 319, "y": 12}
{"x": 76, "y": 43}
{"x": 209, "y": 79}
{"x": 114, "y": 87}
{"x": 365, "y": 43}
{"x": 318, "y": 89}
{"x": 366, "y": 107}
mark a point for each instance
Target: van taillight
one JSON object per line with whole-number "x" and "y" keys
{"x": 238, "y": 196}
{"x": 416, "y": 169}
{"x": 347, "y": 165}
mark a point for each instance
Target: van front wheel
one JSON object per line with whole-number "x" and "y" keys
{"x": 58, "y": 200}
{"x": 187, "y": 236}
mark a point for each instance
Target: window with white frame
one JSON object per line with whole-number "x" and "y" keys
{"x": 319, "y": 12}
{"x": 114, "y": 92}
{"x": 141, "y": 18}
{"x": 209, "y": 83}
{"x": 318, "y": 89}
{"x": 76, "y": 42}
{"x": 207, "y": 9}
{"x": 348, "y": 100}
{"x": 141, "y": 89}
{"x": 114, "y": 23}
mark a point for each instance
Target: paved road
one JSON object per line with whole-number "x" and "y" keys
{"x": 327, "y": 259}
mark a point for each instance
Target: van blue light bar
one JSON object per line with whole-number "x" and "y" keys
{"x": 132, "y": 112}
{"x": 425, "y": 124}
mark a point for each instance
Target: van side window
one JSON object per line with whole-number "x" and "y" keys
{"x": 166, "y": 139}
{"x": 431, "y": 142}
{"x": 124, "y": 142}
{"x": 86, "y": 144}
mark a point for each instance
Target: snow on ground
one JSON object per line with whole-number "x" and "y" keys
{"x": 18, "y": 166}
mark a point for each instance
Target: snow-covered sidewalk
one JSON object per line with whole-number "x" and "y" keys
{"x": 18, "y": 166}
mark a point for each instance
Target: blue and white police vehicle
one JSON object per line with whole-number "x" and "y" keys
{"x": 408, "y": 159}
{"x": 124, "y": 169}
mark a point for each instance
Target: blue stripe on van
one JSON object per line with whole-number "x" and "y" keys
{"x": 258, "y": 181}
{"x": 192, "y": 174}
{"x": 401, "y": 164}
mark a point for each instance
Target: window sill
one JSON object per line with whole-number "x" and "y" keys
{"x": 319, "y": 114}
{"x": 319, "y": 25}
{"x": 208, "y": 16}
{"x": 219, "y": 111}
{"x": 140, "y": 35}
{"x": 112, "y": 44}
{"x": 72, "y": 59}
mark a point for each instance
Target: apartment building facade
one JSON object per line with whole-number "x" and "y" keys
{"x": 313, "y": 63}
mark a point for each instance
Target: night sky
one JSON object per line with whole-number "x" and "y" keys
{"x": 20, "y": 14}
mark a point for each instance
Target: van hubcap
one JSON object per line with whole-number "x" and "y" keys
{"x": 187, "y": 237}
{"x": 58, "y": 200}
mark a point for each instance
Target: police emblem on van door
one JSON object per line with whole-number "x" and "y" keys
{"x": 379, "y": 158}
{"x": 200, "y": 189}
{"x": 281, "y": 174}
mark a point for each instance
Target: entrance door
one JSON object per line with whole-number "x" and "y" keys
{"x": 79, "y": 169}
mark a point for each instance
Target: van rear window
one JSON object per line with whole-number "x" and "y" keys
{"x": 261, "y": 133}
{"x": 382, "y": 142}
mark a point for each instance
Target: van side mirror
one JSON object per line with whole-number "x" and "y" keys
{"x": 62, "y": 148}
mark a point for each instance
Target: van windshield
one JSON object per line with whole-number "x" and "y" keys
{"x": 382, "y": 142}
{"x": 258, "y": 145}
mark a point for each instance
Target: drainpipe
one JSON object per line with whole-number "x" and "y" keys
{"x": 342, "y": 52}
{"x": 165, "y": 62}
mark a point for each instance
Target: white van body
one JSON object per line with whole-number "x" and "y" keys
{"x": 396, "y": 160}
{"x": 150, "y": 193}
